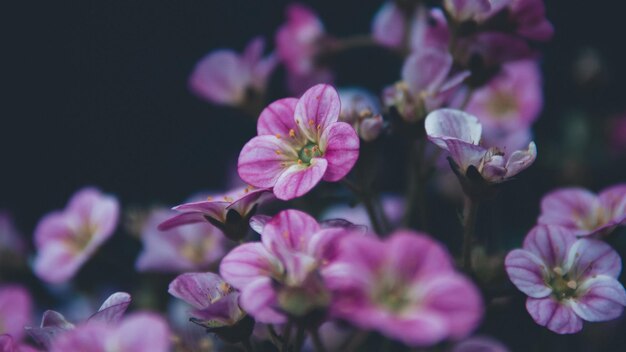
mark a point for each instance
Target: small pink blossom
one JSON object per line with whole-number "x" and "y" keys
{"x": 225, "y": 77}
{"x": 66, "y": 239}
{"x": 229, "y": 212}
{"x": 298, "y": 44}
{"x": 405, "y": 288}
{"x": 460, "y": 133}
{"x": 281, "y": 275}
{"x": 299, "y": 143}
{"x": 361, "y": 110}
{"x": 567, "y": 280}
{"x": 182, "y": 248}
{"x": 583, "y": 212}
{"x": 139, "y": 332}
{"x": 15, "y": 310}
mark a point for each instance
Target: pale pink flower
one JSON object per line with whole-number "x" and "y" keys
{"x": 225, "y": 77}
{"x": 15, "y": 310}
{"x": 583, "y": 212}
{"x": 361, "y": 110}
{"x": 299, "y": 143}
{"x": 66, "y": 239}
{"x": 567, "y": 280}
{"x": 405, "y": 288}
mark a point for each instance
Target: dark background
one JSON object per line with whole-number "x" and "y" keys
{"x": 95, "y": 93}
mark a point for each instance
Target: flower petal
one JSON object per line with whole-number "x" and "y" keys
{"x": 181, "y": 219}
{"x": 278, "y": 118}
{"x": 112, "y": 309}
{"x": 197, "y": 289}
{"x": 452, "y": 124}
{"x": 261, "y": 160}
{"x": 426, "y": 70}
{"x": 289, "y": 229}
{"x": 248, "y": 262}
{"x": 550, "y": 243}
{"x": 556, "y": 316}
{"x": 259, "y": 299}
{"x": 520, "y": 160}
{"x": 411, "y": 255}
{"x": 316, "y": 110}
{"x": 589, "y": 257}
{"x": 388, "y": 25}
{"x": 613, "y": 200}
{"x": 220, "y": 77}
{"x": 567, "y": 207}
{"x": 340, "y": 145}
{"x": 142, "y": 332}
{"x": 603, "y": 299}
{"x": 527, "y": 272}
{"x": 297, "y": 179}
{"x": 57, "y": 263}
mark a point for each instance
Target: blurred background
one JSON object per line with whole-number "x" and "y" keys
{"x": 96, "y": 93}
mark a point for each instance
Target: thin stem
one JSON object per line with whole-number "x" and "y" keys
{"x": 287, "y": 336}
{"x": 418, "y": 177}
{"x": 300, "y": 335}
{"x": 317, "y": 341}
{"x": 470, "y": 212}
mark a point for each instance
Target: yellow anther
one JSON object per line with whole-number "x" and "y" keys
{"x": 286, "y": 234}
{"x": 558, "y": 270}
{"x": 311, "y": 122}
{"x": 299, "y": 162}
{"x": 247, "y": 189}
{"x": 279, "y": 136}
{"x": 292, "y": 133}
{"x": 209, "y": 198}
{"x": 278, "y": 152}
{"x": 572, "y": 284}
{"x": 228, "y": 199}
{"x": 319, "y": 127}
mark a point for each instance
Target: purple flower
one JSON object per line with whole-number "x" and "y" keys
{"x": 361, "y": 110}
{"x": 225, "y": 77}
{"x": 229, "y": 212}
{"x": 11, "y": 242}
{"x": 182, "y": 248}
{"x": 529, "y": 19}
{"x": 66, "y": 239}
{"x": 510, "y": 101}
{"x": 139, "y": 332}
{"x": 405, "y": 288}
{"x": 215, "y": 303}
{"x": 9, "y": 344}
{"x": 299, "y": 143}
{"x": 15, "y": 310}
{"x": 583, "y": 212}
{"x": 54, "y": 323}
{"x": 460, "y": 133}
{"x": 281, "y": 275}
{"x": 567, "y": 280}
{"x": 298, "y": 43}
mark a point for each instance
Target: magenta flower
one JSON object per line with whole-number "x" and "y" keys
{"x": 510, "y": 101}
{"x": 281, "y": 275}
{"x": 54, "y": 323}
{"x": 15, "y": 310}
{"x": 567, "y": 280}
{"x": 227, "y": 78}
{"x": 9, "y": 344}
{"x": 229, "y": 212}
{"x": 529, "y": 19}
{"x": 299, "y": 143}
{"x": 182, "y": 248}
{"x": 361, "y": 110}
{"x": 405, "y": 288}
{"x": 583, "y": 212}
{"x": 66, "y": 239}
{"x": 139, "y": 332}
{"x": 298, "y": 44}
{"x": 460, "y": 133}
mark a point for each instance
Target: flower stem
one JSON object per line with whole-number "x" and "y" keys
{"x": 300, "y": 335}
{"x": 317, "y": 341}
{"x": 287, "y": 336}
{"x": 470, "y": 212}
{"x": 417, "y": 179}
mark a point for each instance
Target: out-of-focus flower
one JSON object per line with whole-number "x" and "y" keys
{"x": 567, "y": 280}
{"x": 459, "y": 133}
{"x": 9, "y": 344}
{"x": 216, "y": 304}
{"x": 182, "y": 248}
{"x": 227, "y": 78}
{"x": 139, "y": 332}
{"x": 361, "y": 109}
{"x": 281, "y": 275}
{"x": 479, "y": 344}
{"x": 298, "y": 43}
{"x": 617, "y": 135}
{"x": 467, "y": 10}
{"x": 392, "y": 205}
{"x": 510, "y": 101}
{"x": 405, "y": 288}
{"x": 229, "y": 212}
{"x": 529, "y": 19}
{"x": 53, "y": 324}
{"x": 15, "y": 310}
{"x": 583, "y": 212}
{"x": 66, "y": 239}
{"x": 299, "y": 143}
{"x": 12, "y": 246}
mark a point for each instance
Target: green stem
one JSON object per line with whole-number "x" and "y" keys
{"x": 287, "y": 336}
{"x": 417, "y": 179}
{"x": 317, "y": 341}
{"x": 470, "y": 212}
{"x": 300, "y": 335}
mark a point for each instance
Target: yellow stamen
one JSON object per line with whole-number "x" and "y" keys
{"x": 278, "y": 135}
{"x": 292, "y": 133}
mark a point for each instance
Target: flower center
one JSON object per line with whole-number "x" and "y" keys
{"x": 392, "y": 296}
{"x": 503, "y": 104}
{"x": 308, "y": 152}
{"x": 82, "y": 237}
{"x": 563, "y": 286}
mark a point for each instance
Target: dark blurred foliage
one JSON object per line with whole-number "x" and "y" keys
{"x": 96, "y": 94}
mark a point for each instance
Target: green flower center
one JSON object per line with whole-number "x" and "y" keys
{"x": 308, "y": 152}
{"x": 393, "y": 296}
{"x": 563, "y": 286}
{"x": 503, "y": 104}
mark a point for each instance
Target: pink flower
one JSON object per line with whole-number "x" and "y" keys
{"x": 9, "y": 344}
{"x": 510, "y": 101}
{"x": 529, "y": 19}
{"x": 281, "y": 275}
{"x": 66, "y": 239}
{"x": 361, "y": 110}
{"x": 405, "y": 288}
{"x": 299, "y": 143}
{"x": 567, "y": 280}
{"x": 182, "y": 248}
{"x": 298, "y": 43}
{"x": 460, "y": 133}
{"x": 225, "y": 77}
{"x": 15, "y": 310}
{"x": 229, "y": 212}
{"x": 54, "y": 323}
{"x": 139, "y": 332}
{"x": 11, "y": 241}
{"x": 583, "y": 212}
